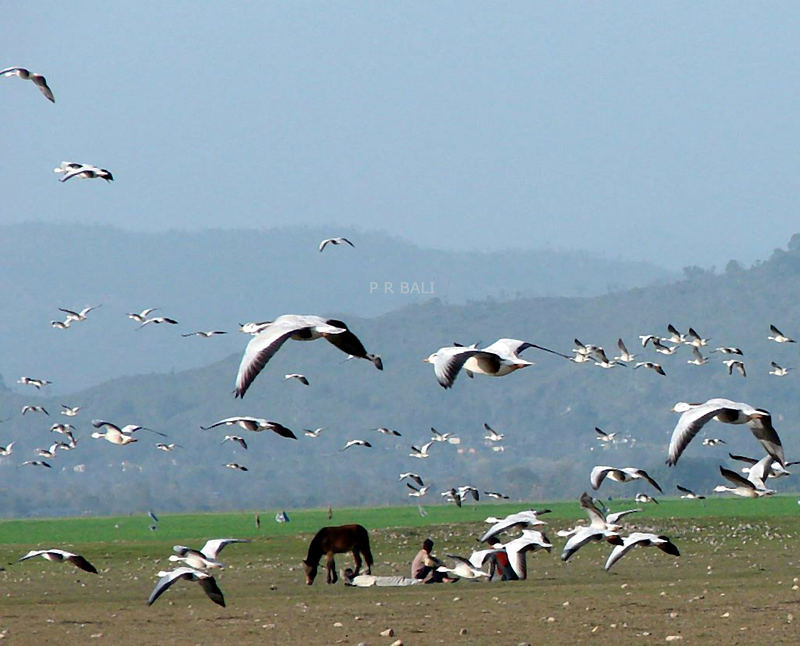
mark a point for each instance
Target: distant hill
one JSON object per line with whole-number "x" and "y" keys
{"x": 547, "y": 412}
{"x": 216, "y": 279}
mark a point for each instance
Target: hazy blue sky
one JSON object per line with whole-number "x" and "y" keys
{"x": 661, "y": 131}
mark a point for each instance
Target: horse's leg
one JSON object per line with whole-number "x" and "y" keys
{"x": 367, "y": 557}
{"x": 357, "y": 559}
{"x": 330, "y": 565}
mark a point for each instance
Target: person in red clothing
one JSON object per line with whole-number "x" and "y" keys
{"x": 499, "y": 565}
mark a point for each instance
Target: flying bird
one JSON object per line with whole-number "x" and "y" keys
{"x": 334, "y": 241}
{"x": 643, "y": 498}
{"x": 236, "y": 438}
{"x": 647, "y": 338}
{"x": 157, "y": 320}
{"x": 664, "y": 349}
{"x": 762, "y": 468}
{"x": 31, "y": 408}
{"x": 206, "y": 581}
{"x": 440, "y": 437}
{"x": 27, "y": 75}
{"x": 117, "y": 435}
{"x": 641, "y": 539}
{"x": 624, "y": 474}
{"x": 699, "y": 359}
{"x": 491, "y": 434}
{"x": 602, "y": 527}
{"x": 750, "y": 487}
{"x": 422, "y": 452}
{"x": 315, "y": 432}
{"x": 520, "y": 520}
{"x": 689, "y": 494}
{"x": 36, "y": 383}
{"x": 206, "y": 557}
{"x": 530, "y": 540}
{"x": 141, "y": 317}
{"x": 163, "y": 446}
{"x": 602, "y": 436}
{"x": 48, "y": 453}
{"x": 651, "y": 365}
{"x": 413, "y": 476}
{"x": 462, "y": 568}
{"x": 387, "y": 431}
{"x": 694, "y": 339}
{"x": 60, "y": 556}
{"x": 778, "y": 336}
{"x": 728, "y": 350}
{"x": 458, "y": 494}
{"x": 417, "y": 492}
{"x": 72, "y": 315}
{"x": 695, "y": 416}
{"x": 674, "y": 335}
{"x": 7, "y": 450}
{"x": 495, "y": 360}
{"x": 584, "y": 349}
{"x": 735, "y": 364}
{"x": 127, "y": 429}
{"x": 297, "y": 376}
{"x": 777, "y": 370}
{"x": 624, "y": 355}
{"x": 255, "y": 424}
{"x": 70, "y": 411}
{"x": 83, "y": 171}
{"x": 36, "y": 463}
{"x": 266, "y": 343}
{"x": 254, "y": 327}
{"x": 496, "y": 495}
{"x": 356, "y": 443}
{"x": 203, "y": 334}
{"x": 235, "y": 466}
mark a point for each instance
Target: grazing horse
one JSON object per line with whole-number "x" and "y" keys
{"x": 335, "y": 540}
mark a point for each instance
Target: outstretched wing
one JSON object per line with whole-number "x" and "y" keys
{"x": 210, "y": 587}
{"x": 689, "y": 425}
{"x": 646, "y": 476}
{"x": 346, "y": 341}
{"x": 80, "y": 562}
{"x": 761, "y": 426}
{"x": 166, "y": 581}
{"x": 258, "y": 352}
{"x": 215, "y": 545}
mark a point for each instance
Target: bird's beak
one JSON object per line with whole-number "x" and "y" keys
{"x": 426, "y": 360}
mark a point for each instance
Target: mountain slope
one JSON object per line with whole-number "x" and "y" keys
{"x": 547, "y": 411}
{"x": 216, "y": 279}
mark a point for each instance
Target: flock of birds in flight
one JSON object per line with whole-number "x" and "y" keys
{"x": 498, "y": 359}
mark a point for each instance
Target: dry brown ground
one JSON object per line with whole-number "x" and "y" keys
{"x": 732, "y": 584}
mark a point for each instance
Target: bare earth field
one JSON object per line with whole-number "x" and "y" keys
{"x": 736, "y": 581}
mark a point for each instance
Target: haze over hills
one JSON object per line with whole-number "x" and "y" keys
{"x": 217, "y": 279}
{"x": 547, "y": 412}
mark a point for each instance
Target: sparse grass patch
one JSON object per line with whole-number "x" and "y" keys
{"x": 734, "y": 580}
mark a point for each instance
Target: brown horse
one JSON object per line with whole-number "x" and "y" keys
{"x": 335, "y": 540}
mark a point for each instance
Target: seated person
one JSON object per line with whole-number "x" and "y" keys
{"x": 424, "y": 566}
